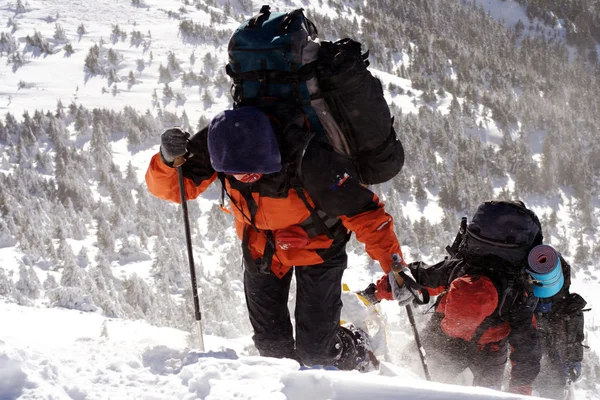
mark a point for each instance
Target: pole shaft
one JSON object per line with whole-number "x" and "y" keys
{"x": 411, "y": 318}
{"x": 188, "y": 239}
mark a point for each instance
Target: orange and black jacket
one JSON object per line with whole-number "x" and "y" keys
{"x": 318, "y": 192}
{"x": 483, "y": 311}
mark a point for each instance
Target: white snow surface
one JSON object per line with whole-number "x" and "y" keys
{"x": 64, "y": 354}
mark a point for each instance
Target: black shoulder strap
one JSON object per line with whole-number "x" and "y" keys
{"x": 453, "y": 250}
{"x": 269, "y": 250}
{"x": 320, "y": 225}
{"x": 297, "y": 143}
{"x": 251, "y": 205}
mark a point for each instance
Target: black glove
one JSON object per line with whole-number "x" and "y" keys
{"x": 173, "y": 144}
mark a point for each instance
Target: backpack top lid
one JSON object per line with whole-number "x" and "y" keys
{"x": 273, "y": 41}
{"x": 504, "y": 229}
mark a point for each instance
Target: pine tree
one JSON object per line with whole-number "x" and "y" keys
{"x": 59, "y": 32}
{"x": 172, "y": 63}
{"x": 582, "y": 250}
{"x": 7, "y": 286}
{"x": 72, "y": 274}
{"x": 28, "y": 283}
{"x": 131, "y": 80}
{"x": 139, "y": 296}
{"x": 420, "y": 193}
{"x": 185, "y": 122}
{"x": 20, "y": 8}
{"x": 92, "y": 60}
{"x": 81, "y": 30}
{"x": 82, "y": 258}
{"x": 50, "y": 283}
{"x": 164, "y": 75}
{"x": 104, "y": 236}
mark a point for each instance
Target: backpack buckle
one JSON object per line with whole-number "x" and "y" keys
{"x": 262, "y": 77}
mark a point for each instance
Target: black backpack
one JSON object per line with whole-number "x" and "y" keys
{"x": 496, "y": 244}
{"x": 279, "y": 65}
{"x": 503, "y": 229}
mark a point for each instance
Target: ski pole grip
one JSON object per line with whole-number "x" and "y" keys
{"x": 403, "y": 276}
{"x": 397, "y": 266}
{"x": 399, "y": 279}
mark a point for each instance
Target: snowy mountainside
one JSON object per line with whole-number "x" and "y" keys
{"x": 79, "y": 230}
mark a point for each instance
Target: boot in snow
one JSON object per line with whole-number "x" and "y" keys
{"x": 355, "y": 350}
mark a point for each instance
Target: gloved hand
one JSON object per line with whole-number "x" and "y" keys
{"x": 389, "y": 289}
{"x": 402, "y": 294}
{"x": 572, "y": 370}
{"x": 173, "y": 144}
{"x": 523, "y": 389}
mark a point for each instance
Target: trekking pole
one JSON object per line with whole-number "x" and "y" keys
{"x": 369, "y": 295}
{"x": 396, "y": 270}
{"x": 188, "y": 237}
{"x": 411, "y": 318}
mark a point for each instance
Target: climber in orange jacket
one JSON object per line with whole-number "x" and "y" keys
{"x": 295, "y": 203}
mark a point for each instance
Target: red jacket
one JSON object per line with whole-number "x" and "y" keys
{"x": 327, "y": 180}
{"x": 476, "y": 309}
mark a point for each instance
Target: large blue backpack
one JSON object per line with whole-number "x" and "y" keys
{"x": 279, "y": 65}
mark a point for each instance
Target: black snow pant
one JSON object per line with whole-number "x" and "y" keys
{"x": 318, "y": 310}
{"x": 447, "y": 357}
{"x": 552, "y": 381}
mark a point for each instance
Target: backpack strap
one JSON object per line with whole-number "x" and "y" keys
{"x": 224, "y": 193}
{"x": 269, "y": 251}
{"x": 297, "y": 143}
{"x": 453, "y": 249}
{"x": 320, "y": 225}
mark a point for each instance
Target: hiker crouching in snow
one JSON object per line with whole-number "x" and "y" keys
{"x": 485, "y": 300}
{"x": 561, "y": 324}
{"x": 293, "y": 207}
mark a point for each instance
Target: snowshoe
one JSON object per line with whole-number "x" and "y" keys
{"x": 355, "y": 350}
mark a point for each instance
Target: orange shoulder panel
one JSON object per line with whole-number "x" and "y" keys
{"x": 162, "y": 182}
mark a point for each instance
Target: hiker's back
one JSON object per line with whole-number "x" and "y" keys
{"x": 488, "y": 303}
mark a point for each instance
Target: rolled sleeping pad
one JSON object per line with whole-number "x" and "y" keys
{"x": 546, "y": 269}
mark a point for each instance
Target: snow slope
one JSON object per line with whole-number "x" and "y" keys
{"x": 63, "y": 354}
